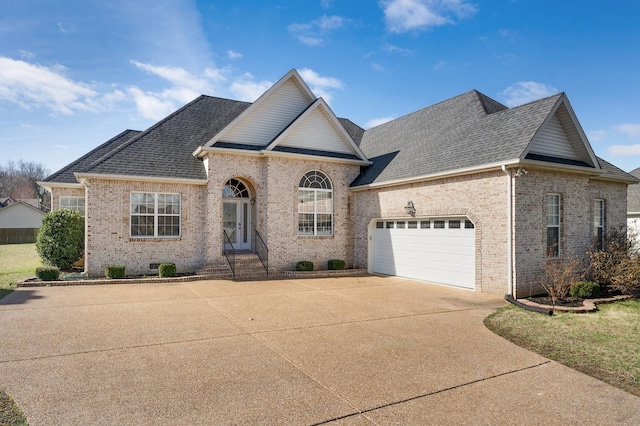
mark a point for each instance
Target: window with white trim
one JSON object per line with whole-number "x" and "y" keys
{"x": 553, "y": 225}
{"x": 155, "y": 215}
{"x": 315, "y": 205}
{"x": 598, "y": 223}
{"x": 72, "y": 203}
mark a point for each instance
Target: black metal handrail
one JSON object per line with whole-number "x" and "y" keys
{"x": 230, "y": 254}
{"x": 262, "y": 251}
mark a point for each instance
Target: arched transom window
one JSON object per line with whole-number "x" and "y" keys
{"x": 315, "y": 204}
{"x": 235, "y": 189}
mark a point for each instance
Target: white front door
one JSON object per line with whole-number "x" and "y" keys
{"x": 236, "y": 223}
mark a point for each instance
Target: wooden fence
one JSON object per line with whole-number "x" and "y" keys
{"x": 18, "y": 235}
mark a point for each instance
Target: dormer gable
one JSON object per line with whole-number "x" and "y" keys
{"x": 317, "y": 129}
{"x": 270, "y": 114}
{"x": 561, "y": 138}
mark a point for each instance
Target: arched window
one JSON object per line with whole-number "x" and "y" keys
{"x": 315, "y": 204}
{"x": 235, "y": 189}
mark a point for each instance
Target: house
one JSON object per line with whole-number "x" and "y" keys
{"x": 19, "y": 222}
{"x": 633, "y": 207}
{"x": 466, "y": 192}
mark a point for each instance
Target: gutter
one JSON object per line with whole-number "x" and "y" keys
{"x": 509, "y": 231}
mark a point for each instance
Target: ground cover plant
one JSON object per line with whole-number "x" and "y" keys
{"x": 604, "y": 344}
{"x": 10, "y": 414}
{"x": 17, "y": 261}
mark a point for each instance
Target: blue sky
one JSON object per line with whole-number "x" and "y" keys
{"x": 73, "y": 74}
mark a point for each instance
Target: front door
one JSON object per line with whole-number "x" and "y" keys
{"x": 236, "y": 222}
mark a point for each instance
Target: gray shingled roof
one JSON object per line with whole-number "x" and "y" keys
{"x": 633, "y": 193}
{"x": 165, "y": 149}
{"x": 65, "y": 175}
{"x": 466, "y": 131}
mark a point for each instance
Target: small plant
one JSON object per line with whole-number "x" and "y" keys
{"x": 48, "y": 273}
{"x": 167, "y": 270}
{"x": 335, "y": 264}
{"x": 114, "y": 271}
{"x": 585, "y": 289}
{"x": 304, "y": 265}
{"x": 558, "y": 275}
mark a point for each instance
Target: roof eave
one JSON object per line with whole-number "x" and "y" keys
{"x": 83, "y": 177}
{"x": 50, "y": 185}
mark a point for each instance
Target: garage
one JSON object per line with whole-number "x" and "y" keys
{"x": 438, "y": 250}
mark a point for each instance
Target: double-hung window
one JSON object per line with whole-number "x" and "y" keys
{"x": 598, "y": 223}
{"x": 553, "y": 225}
{"x": 315, "y": 205}
{"x": 72, "y": 203}
{"x": 155, "y": 215}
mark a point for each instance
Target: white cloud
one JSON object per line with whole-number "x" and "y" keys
{"x": 245, "y": 88}
{"x": 376, "y": 67}
{"x": 629, "y": 129}
{"x": 315, "y": 33}
{"x": 150, "y": 105}
{"x": 377, "y": 121}
{"x": 25, "y": 54}
{"x": 395, "y": 49}
{"x": 37, "y": 86}
{"x": 598, "y": 135}
{"x": 321, "y": 86}
{"x": 624, "y": 150}
{"x": 414, "y": 15}
{"x": 234, "y": 55}
{"x": 62, "y": 28}
{"x": 526, "y": 91}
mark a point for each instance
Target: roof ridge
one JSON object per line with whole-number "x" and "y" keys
{"x": 102, "y": 145}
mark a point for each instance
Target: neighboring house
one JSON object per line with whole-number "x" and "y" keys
{"x": 19, "y": 223}
{"x": 633, "y": 207}
{"x": 466, "y": 192}
{"x": 5, "y": 201}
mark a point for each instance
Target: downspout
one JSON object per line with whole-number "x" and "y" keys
{"x": 509, "y": 232}
{"x": 86, "y": 184}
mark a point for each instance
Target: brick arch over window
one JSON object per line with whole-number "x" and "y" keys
{"x": 315, "y": 204}
{"x": 234, "y": 188}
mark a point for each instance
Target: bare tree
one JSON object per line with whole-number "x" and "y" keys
{"x": 18, "y": 180}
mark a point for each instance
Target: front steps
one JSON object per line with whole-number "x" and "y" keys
{"x": 248, "y": 267}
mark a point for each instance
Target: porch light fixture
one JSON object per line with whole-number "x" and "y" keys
{"x": 410, "y": 209}
{"x": 252, "y": 200}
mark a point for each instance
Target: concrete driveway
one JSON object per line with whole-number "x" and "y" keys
{"x": 339, "y": 351}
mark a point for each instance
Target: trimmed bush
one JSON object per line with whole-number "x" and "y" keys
{"x": 60, "y": 240}
{"x": 167, "y": 270}
{"x": 335, "y": 264}
{"x": 304, "y": 265}
{"x": 48, "y": 273}
{"x": 585, "y": 289}
{"x": 114, "y": 271}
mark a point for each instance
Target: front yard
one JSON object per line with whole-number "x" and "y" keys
{"x": 604, "y": 344}
{"x": 17, "y": 261}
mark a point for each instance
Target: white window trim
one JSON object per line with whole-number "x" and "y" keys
{"x": 315, "y": 207}
{"x": 559, "y": 225}
{"x": 599, "y": 207}
{"x": 75, "y": 207}
{"x": 155, "y": 216}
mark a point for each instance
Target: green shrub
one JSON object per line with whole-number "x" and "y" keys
{"x": 167, "y": 270}
{"x": 335, "y": 264}
{"x": 304, "y": 265}
{"x": 48, "y": 273}
{"x": 585, "y": 289}
{"x": 114, "y": 271}
{"x": 60, "y": 240}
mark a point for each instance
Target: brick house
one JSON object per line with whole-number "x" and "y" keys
{"x": 466, "y": 192}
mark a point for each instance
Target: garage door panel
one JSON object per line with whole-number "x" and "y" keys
{"x": 440, "y": 255}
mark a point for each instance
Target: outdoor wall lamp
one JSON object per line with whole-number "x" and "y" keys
{"x": 410, "y": 209}
{"x": 252, "y": 200}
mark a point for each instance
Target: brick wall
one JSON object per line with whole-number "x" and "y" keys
{"x": 56, "y": 193}
{"x": 577, "y": 193}
{"x": 108, "y": 237}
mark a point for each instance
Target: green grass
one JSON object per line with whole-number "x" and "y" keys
{"x": 10, "y": 414}
{"x": 604, "y": 344}
{"x": 17, "y": 261}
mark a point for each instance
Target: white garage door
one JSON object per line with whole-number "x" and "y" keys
{"x": 436, "y": 250}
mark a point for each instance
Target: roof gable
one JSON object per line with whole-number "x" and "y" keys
{"x": 561, "y": 137}
{"x": 270, "y": 114}
{"x": 317, "y": 129}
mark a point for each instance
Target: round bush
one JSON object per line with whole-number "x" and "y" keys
{"x": 585, "y": 289}
{"x": 167, "y": 270}
{"x": 304, "y": 265}
{"x": 60, "y": 240}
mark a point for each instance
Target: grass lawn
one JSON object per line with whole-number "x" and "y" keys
{"x": 17, "y": 261}
{"x": 604, "y": 344}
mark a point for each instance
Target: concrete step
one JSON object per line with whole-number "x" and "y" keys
{"x": 247, "y": 266}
